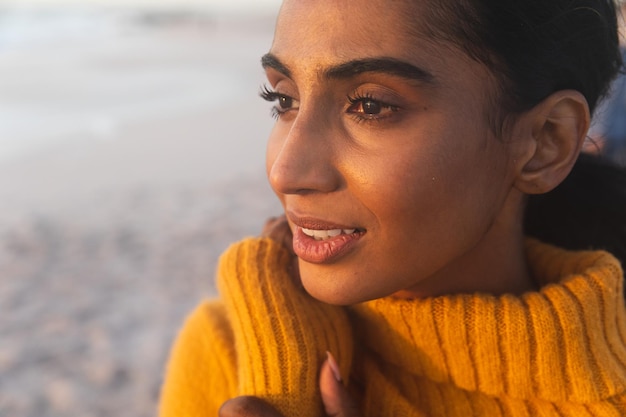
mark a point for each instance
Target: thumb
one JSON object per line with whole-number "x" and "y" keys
{"x": 247, "y": 406}
{"x": 336, "y": 399}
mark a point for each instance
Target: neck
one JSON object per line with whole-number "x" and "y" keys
{"x": 562, "y": 343}
{"x": 495, "y": 265}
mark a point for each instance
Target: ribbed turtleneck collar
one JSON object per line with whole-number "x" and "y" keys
{"x": 566, "y": 342}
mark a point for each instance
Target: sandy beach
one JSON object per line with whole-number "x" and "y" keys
{"x": 131, "y": 154}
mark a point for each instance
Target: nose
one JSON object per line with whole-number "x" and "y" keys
{"x": 301, "y": 157}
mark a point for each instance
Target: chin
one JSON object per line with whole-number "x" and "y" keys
{"x": 332, "y": 298}
{"x": 331, "y": 290}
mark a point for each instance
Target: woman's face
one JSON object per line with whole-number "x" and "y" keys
{"x": 382, "y": 153}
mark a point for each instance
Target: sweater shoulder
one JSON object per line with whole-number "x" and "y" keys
{"x": 200, "y": 374}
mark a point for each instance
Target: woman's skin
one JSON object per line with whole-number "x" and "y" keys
{"x": 385, "y": 147}
{"x": 388, "y": 133}
{"x": 337, "y": 401}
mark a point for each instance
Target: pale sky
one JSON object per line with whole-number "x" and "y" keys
{"x": 210, "y": 4}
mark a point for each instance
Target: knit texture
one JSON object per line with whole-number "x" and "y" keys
{"x": 560, "y": 351}
{"x": 267, "y": 338}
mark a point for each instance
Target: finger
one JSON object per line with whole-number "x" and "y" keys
{"x": 247, "y": 406}
{"x": 336, "y": 399}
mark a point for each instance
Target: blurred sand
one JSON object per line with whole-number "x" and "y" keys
{"x": 141, "y": 160}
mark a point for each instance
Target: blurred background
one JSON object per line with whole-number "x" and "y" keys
{"x": 131, "y": 154}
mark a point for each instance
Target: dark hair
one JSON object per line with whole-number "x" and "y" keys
{"x": 586, "y": 211}
{"x": 535, "y": 48}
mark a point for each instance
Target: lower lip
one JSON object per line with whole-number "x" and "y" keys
{"x": 323, "y": 251}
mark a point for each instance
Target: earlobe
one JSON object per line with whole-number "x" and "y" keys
{"x": 559, "y": 126}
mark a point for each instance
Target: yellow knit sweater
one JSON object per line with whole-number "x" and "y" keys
{"x": 557, "y": 352}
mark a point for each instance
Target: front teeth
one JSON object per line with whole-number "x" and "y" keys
{"x": 326, "y": 234}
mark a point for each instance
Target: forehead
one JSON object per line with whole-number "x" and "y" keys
{"x": 314, "y": 38}
{"x": 321, "y": 33}
{"x": 337, "y": 27}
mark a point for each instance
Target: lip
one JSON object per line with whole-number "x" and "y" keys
{"x": 328, "y": 250}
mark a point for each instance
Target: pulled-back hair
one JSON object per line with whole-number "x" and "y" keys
{"x": 535, "y": 48}
{"x": 587, "y": 211}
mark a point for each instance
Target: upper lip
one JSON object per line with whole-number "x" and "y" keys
{"x": 308, "y": 222}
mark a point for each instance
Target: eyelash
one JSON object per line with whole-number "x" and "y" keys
{"x": 367, "y": 97}
{"x": 271, "y": 96}
{"x": 278, "y": 110}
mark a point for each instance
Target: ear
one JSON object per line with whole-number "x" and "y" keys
{"x": 556, "y": 129}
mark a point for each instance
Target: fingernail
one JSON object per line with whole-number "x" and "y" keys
{"x": 333, "y": 366}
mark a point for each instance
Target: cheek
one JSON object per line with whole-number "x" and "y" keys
{"x": 271, "y": 151}
{"x": 424, "y": 186}
{"x": 397, "y": 190}
{"x": 396, "y": 176}
{"x": 273, "y": 148}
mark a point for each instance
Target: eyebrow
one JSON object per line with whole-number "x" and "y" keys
{"x": 270, "y": 61}
{"x": 357, "y": 67}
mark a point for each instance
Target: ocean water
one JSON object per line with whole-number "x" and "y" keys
{"x": 82, "y": 73}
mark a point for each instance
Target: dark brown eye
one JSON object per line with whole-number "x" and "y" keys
{"x": 285, "y": 102}
{"x": 370, "y": 107}
{"x": 366, "y": 107}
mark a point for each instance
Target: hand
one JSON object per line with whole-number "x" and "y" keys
{"x": 247, "y": 406}
{"x": 336, "y": 399}
{"x": 277, "y": 229}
